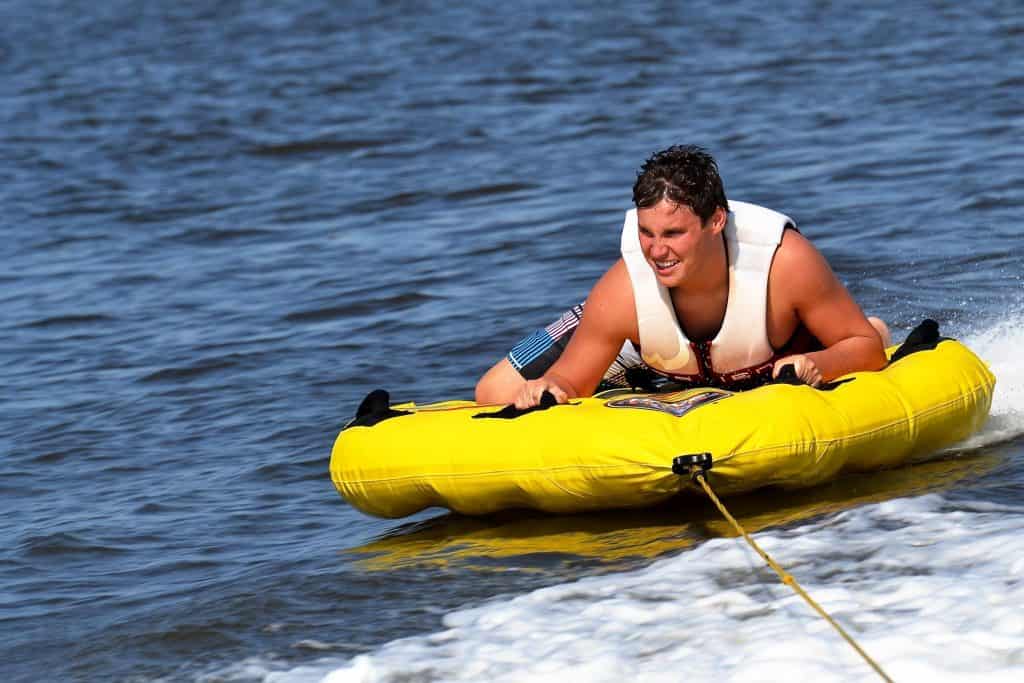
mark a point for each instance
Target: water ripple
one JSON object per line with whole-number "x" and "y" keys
{"x": 63, "y": 544}
{"x": 71, "y": 320}
{"x": 389, "y": 304}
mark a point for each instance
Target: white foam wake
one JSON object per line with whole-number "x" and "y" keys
{"x": 937, "y": 594}
{"x": 1000, "y": 347}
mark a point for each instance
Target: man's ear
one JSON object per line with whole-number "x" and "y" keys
{"x": 717, "y": 221}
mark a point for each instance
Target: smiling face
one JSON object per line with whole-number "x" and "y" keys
{"x": 680, "y": 250}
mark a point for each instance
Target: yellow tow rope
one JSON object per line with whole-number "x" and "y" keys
{"x": 787, "y": 578}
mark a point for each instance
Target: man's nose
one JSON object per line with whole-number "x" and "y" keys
{"x": 658, "y": 248}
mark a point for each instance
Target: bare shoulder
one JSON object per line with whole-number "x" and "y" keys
{"x": 614, "y": 287}
{"x": 801, "y": 281}
{"x": 611, "y": 302}
{"x": 799, "y": 266}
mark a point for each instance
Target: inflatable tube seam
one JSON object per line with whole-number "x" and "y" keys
{"x": 628, "y": 467}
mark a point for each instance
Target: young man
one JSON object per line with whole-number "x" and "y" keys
{"x": 707, "y": 293}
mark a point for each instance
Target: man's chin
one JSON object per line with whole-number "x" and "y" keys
{"x": 670, "y": 280}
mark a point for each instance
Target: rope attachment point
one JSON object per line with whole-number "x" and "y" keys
{"x": 691, "y": 465}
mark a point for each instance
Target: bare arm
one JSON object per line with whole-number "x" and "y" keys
{"x": 827, "y": 310}
{"x": 609, "y": 318}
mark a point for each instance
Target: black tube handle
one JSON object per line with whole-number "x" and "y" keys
{"x": 787, "y": 375}
{"x": 376, "y": 407}
{"x": 510, "y": 412}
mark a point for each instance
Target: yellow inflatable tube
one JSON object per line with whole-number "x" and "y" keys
{"x": 616, "y": 449}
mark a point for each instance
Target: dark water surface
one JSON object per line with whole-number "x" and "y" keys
{"x": 224, "y": 223}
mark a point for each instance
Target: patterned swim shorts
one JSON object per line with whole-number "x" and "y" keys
{"x": 536, "y": 353}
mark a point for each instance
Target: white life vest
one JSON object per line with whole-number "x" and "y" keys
{"x": 752, "y": 235}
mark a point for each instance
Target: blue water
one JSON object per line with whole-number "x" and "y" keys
{"x": 224, "y": 223}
